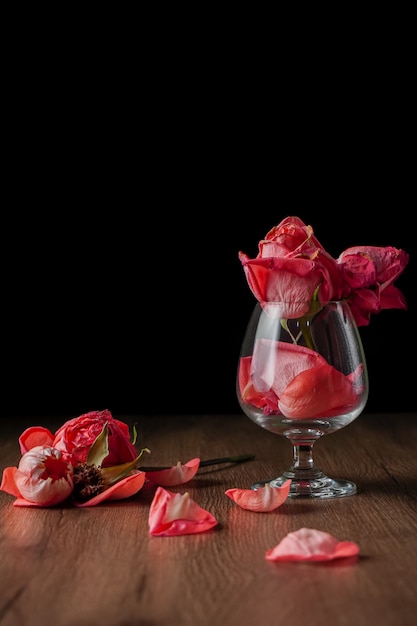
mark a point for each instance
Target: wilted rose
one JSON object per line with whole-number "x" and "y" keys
{"x": 292, "y": 267}
{"x": 368, "y": 276}
{"x": 76, "y": 436}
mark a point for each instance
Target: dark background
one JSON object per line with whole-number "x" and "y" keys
{"x": 134, "y": 172}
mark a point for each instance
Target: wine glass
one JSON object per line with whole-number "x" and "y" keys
{"x": 303, "y": 378}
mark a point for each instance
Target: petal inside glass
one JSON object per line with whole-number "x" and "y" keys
{"x": 302, "y": 379}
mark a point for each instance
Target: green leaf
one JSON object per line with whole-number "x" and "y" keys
{"x": 100, "y": 448}
{"x": 113, "y": 474}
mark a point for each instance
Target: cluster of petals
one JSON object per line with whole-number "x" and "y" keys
{"x": 173, "y": 514}
{"x": 292, "y": 267}
{"x": 304, "y": 386}
{"x": 260, "y": 500}
{"x": 310, "y": 544}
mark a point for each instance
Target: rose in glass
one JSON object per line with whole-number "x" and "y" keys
{"x": 368, "y": 276}
{"x": 292, "y": 267}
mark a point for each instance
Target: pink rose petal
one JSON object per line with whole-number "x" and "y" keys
{"x": 261, "y": 500}
{"x": 176, "y": 475}
{"x": 35, "y": 436}
{"x": 123, "y": 489}
{"x": 8, "y": 482}
{"x": 309, "y": 544}
{"x": 172, "y": 514}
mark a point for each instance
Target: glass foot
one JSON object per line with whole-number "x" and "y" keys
{"x": 318, "y": 487}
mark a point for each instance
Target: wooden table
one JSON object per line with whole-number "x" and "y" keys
{"x": 99, "y": 566}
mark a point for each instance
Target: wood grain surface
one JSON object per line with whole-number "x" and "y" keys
{"x": 99, "y": 566}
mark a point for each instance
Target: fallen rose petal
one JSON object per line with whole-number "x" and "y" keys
{"x": 261, "y": 500}
{"x": 8, "y": 482}
{"x": 35, "y": 436}
{"x": 172, "y": 514}
{"x": 309, "y": 544}
{"x": 22, "y": 502}
{"x": 177, "y": 475}
{"x": 123, "y": 489}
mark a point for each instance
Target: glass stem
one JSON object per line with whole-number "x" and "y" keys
{"x": 303, "y": 457}
{"x": 303, "y": 463}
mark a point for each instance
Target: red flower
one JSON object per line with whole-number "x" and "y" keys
{"x": 368, "y": 275}
{"x": 293, "y": 268}
{"x": 76, "y": 436}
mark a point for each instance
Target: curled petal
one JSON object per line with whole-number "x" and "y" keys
{"x": 261, "y": 500}
{"x": 321, "y": 390}
{"x": 123, "y": 489}
{"x": 176, "y": 475}
{"x": 8, "y": 483}
{"x": 276, "y": 363}
{"x": 35, "y": 436}
{"x": 309, "y": 544}
{"x": 173, "y": 514}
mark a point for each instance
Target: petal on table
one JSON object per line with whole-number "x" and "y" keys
{"x": 172, "y": 514}
{"x": 8, "y": 483}
{"x": 261, "y": 500}
{"x": 309, "y": 544}
{"x": 125, "y": 488}
{"x": 176, "y": 475}
{"x": 23, "y": 502}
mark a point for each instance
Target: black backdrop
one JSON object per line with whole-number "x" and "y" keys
{"x": 138, "y": 162}
{"x": 132, "y": 180}
{"x": 138, "y": 304}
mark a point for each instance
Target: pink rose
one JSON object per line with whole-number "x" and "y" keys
{"x": 76, "y": 436}
{"x": 43, "y": 478}
{"x": 292, "y": 267}
{"x": 368, "y": 276}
